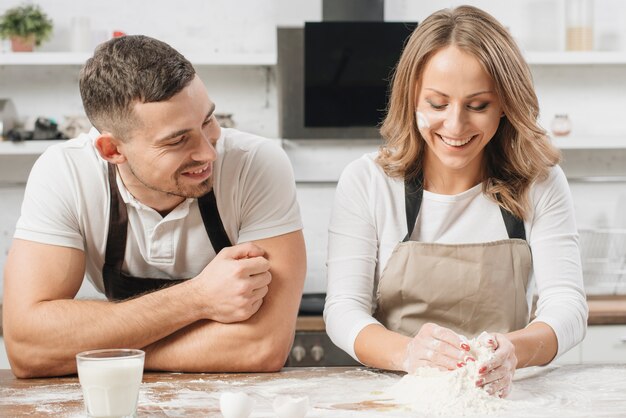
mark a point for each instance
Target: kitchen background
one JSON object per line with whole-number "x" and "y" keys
{"x": 233, "y": 45}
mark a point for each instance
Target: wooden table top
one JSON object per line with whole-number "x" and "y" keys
{"x": 573, "y": 391}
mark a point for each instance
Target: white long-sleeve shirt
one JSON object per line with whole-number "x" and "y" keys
{"x": 369, "y": 220}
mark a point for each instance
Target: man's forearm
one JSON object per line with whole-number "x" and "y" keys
{"x": 208, "y": 346}
{"x": 260, "y": 343}
{"x": 45, "y": 340}
{"x": 179, "y": 326}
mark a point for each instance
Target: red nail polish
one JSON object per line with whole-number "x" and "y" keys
{"x": 469, "y": 358}
{"x": 465, "y": 347}
{"x": 460, "y": 364}
{"x": 479, "y": 382}
{"x": 482, "y": 369}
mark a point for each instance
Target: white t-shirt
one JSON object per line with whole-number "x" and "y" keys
{"x": 369, "y": 220}
{"x": 67, "y": 197}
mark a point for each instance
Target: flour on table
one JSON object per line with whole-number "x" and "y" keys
{"x": 435, "y": 392}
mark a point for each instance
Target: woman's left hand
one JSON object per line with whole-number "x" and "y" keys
{"x": 496, "y": 375}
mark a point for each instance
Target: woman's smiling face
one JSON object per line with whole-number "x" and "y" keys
{"x": 458, "y": 111}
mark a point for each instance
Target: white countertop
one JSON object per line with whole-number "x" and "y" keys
{"x": 553, "y": 391}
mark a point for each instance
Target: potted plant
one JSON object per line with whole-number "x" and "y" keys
{"x": 26, "y": 25}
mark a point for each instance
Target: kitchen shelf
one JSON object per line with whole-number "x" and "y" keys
{"x": 252, "y": 59}
{"x": 43, "y": 58}
{"x": 587, "y": 142}
{"x": 269, "y": 59}
{"x": 26, "y": 147}
{"x": 576, "y": 58}
{"x": 79, "y": 58}
{"x": 590, "y": 142}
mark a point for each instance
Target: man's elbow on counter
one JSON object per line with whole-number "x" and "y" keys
{"x": 18, "y": 358}
{"x": 27, "y": 365}
{"x": 22, "y": 371}
{"x": 272, "y": 357}
{"x": 268, "y": 351}
{"x": 29, "y": 360}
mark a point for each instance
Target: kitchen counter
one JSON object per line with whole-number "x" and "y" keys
{"x": 607, "y": 310}
{"x": 572, "y": 391}
{"x": 603, "y": 310}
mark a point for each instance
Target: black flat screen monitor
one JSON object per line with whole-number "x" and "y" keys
{"x": 347, "y": 69}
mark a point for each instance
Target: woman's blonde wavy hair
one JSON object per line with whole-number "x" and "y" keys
{"x": 519, "y": 153}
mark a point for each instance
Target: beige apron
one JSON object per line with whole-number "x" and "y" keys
{"x": 468, "y": 288}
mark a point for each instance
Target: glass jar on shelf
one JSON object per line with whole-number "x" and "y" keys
{"x": 579, "y": 25}
{"x": 561, "y": 125}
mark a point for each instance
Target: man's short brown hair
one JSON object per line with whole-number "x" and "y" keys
{"x": 125, "y": 70}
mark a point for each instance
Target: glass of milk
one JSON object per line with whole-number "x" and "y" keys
{"x": 110, "y": 380}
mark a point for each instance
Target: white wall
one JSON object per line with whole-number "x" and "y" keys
{"x": 593, "y": 96}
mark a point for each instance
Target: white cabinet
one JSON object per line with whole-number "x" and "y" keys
{"x": 602, "y": 344}
{"x": 605, "y": 344}
{"x": 573, "y": 356}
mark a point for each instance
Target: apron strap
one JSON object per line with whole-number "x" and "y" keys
{"x": 514, "y": 225}
{"x": 118, "y": 223}
{"x": 413, "y": 192}
{"x": 213, "y": 222}
{"x": 119, "y": 286}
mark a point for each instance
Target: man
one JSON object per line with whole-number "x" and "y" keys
{"x": 146, "y": 199}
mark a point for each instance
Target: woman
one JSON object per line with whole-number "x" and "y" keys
{"x": 448, "y": 230}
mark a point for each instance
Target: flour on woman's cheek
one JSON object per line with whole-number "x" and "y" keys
{"x": 422, "y": 121}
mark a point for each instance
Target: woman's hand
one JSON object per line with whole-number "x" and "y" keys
{"x": 496, "y": 375}
{"x": 435, "y": 346}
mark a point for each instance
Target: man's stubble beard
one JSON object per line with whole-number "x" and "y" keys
{"x": 195, "y": 192}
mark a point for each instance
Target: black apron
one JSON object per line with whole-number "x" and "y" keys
{"x": 120, "y": 286}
